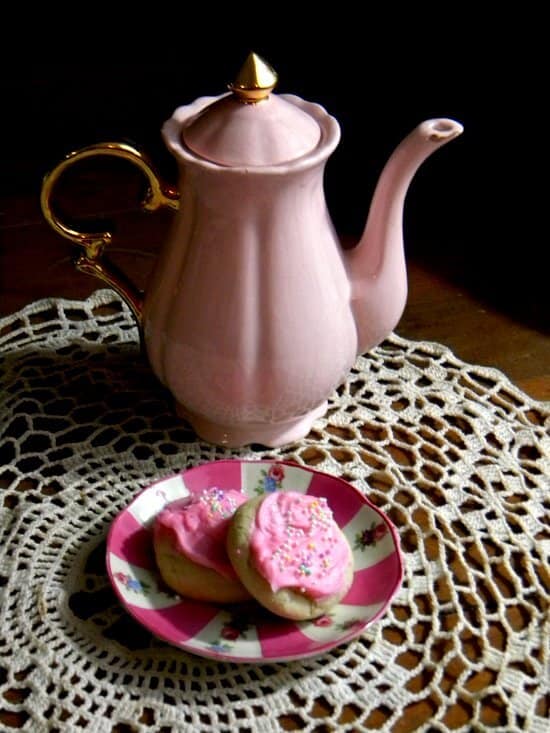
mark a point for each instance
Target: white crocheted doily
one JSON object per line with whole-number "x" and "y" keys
{"x": 453, "y": 453}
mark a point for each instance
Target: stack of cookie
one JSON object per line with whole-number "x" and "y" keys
{"x": 283, "y": 549}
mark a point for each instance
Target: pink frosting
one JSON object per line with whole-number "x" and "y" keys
{"x": 296, "y": 543}
{"x": 198, "y": 525}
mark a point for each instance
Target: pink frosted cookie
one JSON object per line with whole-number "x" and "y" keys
{"x": 290, "y": 554}
{"x": 189, "y": 538}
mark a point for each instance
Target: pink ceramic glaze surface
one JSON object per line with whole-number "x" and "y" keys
{"x": 270, "y": 132}
{"x": 377, "y": 264}
{"x": 246, "y": 632}
{"x": 254, "y": 315}
{"x": 247, "y": 319}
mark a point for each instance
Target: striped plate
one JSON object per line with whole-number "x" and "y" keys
{"x": 245, "y": 632}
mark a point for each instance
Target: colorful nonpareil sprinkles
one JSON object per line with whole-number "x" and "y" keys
{"x": 300, "y": 553}
{"x": 298, "y": 544}
{"x": 218, "y": 503}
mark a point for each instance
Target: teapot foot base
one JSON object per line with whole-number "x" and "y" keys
{"x": 272, "y": 435}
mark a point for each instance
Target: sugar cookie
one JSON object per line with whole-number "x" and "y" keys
{"x": 290, "y": 554}
{"x": 189, "y": 540}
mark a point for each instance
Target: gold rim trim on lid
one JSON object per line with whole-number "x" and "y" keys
{"x": 254, "y": 81}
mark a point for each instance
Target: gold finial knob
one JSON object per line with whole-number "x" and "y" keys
{"x": 254, "y": 81}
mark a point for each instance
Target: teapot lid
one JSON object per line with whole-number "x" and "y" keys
{"x": 250, "y": 126}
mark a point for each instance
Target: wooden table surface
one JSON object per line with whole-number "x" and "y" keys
{"x": 445, "y": 304}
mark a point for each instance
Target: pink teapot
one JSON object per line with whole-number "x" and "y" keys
{"x": 254, "y": 313}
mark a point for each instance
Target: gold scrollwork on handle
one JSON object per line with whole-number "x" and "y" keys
{"x": 91, "y": 261}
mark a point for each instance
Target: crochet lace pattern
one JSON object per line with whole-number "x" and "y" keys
{"x": 455, "y": 455}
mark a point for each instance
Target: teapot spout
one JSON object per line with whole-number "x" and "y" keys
{"x": 377, "y": 264}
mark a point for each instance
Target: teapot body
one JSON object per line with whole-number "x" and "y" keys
{"x": 247, "y": 319}
{"x": 254, "y": 314}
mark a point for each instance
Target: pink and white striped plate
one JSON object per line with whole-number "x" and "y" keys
{"x": 245, "y": 632}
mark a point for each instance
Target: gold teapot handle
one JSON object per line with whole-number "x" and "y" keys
{"x": 91, "y": 261}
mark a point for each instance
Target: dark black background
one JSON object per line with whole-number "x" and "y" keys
{"x": 473, "y": 202}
